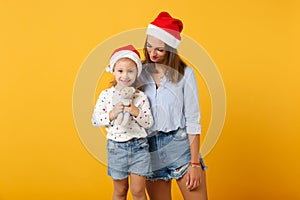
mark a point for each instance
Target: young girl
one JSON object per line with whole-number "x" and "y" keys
{"x": 128, "y": 149}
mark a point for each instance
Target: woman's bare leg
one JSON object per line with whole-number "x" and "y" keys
{"x": 159, "y": 189}
{"x": 200, "y": 193}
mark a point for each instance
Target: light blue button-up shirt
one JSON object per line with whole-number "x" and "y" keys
{"x": 173, "y": 105}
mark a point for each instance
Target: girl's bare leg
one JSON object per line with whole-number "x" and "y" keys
{"x": 120, "y": 189}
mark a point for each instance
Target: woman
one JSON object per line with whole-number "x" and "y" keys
{"x": 174, "y": 138}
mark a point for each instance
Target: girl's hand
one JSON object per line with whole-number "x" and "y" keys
{"x": 194, "y": 177}
{"x": 119, "y": 107}
{"x": 132, "y": 109}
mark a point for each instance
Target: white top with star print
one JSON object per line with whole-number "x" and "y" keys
{"x": 136, "y": 126}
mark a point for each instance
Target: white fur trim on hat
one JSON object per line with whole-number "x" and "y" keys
{"x": 125, "y": 54}
{"x": 163, "y": 35}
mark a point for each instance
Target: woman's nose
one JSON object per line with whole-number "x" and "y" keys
{"x": 152, "y": 52}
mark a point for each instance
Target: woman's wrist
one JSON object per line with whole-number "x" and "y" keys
{"x": 195, "y": 164}
{"x": 195, "y": 159}
{"x": 199, "y": 164}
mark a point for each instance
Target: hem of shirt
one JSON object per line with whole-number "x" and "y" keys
{"x": 125, "y": 140}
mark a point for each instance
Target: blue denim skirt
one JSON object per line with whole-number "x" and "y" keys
{"x": 170, "y": 155}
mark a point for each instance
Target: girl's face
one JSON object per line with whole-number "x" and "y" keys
{"x": 125, "y": 72}
{"x": 156, "y": 50}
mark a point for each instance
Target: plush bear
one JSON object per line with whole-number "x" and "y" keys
{"x": 125, "y": 95}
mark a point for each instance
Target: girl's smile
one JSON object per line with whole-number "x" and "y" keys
{"x": 125, "y": 72}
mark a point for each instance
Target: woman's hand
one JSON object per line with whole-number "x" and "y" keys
{"x": 132, "y": 109}
{"x": 194, "y": 177}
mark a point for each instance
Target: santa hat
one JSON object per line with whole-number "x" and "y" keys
{"x": 125, "y": 52}
{"x": 166, "y": 28}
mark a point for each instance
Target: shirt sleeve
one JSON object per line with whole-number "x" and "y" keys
{"x": 191, "y": 104}
{"x": 144, "y": 118}
{"x": 100, "y": 115}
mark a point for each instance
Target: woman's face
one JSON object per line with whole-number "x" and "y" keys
{"x": 156, "y": 50}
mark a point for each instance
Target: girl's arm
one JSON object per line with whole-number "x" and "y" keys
{"x": 142, "y": 113}
{"x": 100, "y": 115}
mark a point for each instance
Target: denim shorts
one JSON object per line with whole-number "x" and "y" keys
{"x": 170, "y": 155}
{"x": 128, "y": 157}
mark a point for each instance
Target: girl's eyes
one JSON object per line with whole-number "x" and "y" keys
{"x": 120, "y": 71}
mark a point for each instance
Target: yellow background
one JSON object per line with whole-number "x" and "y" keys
{"x": 254, "y": 44}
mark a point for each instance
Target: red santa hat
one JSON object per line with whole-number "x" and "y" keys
{"x": 167, "y": 29}
{"x": 125, "y": 52}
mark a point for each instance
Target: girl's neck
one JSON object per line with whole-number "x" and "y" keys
{"x": 118, "y": 87}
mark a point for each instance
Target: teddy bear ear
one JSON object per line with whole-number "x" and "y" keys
{"x": 132, "y": 89}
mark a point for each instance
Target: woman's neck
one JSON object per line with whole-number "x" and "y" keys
{"x": 160, "y": 68}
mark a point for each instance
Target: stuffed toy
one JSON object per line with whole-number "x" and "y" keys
{"x": 125, "y": 95}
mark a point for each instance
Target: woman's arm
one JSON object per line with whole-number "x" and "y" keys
{"x": 195, "y": 147}
{"x": 194, "y": 172}
{"x": 191, "y": 103}
{"x": 193, "y": 127}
